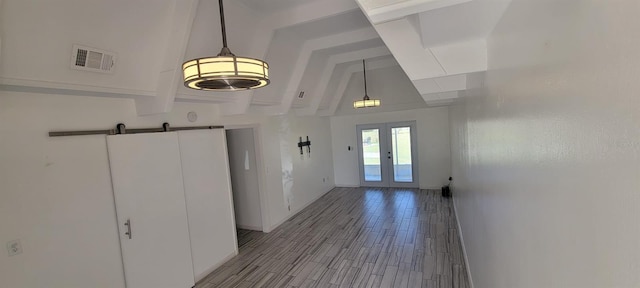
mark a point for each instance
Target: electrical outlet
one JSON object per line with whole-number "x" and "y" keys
{"x": 14, "y": 247}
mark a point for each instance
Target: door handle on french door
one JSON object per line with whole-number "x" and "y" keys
{"x": 128, "y": 224}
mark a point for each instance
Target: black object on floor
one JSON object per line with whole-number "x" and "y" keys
{"x": 446, "y": 193}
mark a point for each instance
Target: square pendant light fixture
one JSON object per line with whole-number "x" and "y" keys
{"x": 225, "y": 72}
{"x": 366, "y": 102}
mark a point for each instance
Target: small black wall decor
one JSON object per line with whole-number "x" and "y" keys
{"x": 303, "y": 144}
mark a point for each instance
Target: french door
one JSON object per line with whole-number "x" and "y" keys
{"x": 388, "y": 154}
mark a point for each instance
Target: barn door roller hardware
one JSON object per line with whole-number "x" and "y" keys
{"x": 121, "y": 129}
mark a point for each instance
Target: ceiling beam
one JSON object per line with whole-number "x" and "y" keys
{"x": 334, "y": 60}
{"x": 441, "y": 99}
{"x": 403, "y": 9}
{"x": 406, "y": 45}
{"x": 462, "y": 57}
{"x": 170, "y": 78}
{"x": 307, "y": 50}
{"x": 441, "y": 84}
{"x": 346, "y": 77}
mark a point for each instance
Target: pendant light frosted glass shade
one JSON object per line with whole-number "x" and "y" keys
{"x": 229, "y": 73}
{"x": 225, "y": 72}
{"x": 366, "y": 102}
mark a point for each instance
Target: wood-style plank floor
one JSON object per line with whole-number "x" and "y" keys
{"x": 354, "y": 237}
{"x": 247, "y": 236}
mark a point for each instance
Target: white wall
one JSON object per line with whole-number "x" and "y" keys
{"x": 56, "y": 192}
{"x": 244, "y": 178}
{"x": 433, "y": 144}
{"x": 39, "y": 38}
{"x": 290, "y": 182}
{"x": 311, "y": 176}
{"x": 547, "y": 149}
{"x": 57, "y": 196}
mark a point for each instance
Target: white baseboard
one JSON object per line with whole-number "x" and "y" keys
{"x": 294, "y": 212}
{"x": 214, "y": 267}
{"x": 347, "y": 185}
{"x": 249, "y": 227}
{"x": 464, "y": 247}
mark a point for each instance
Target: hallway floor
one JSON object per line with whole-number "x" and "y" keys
{"x": 354, "y": 237}
{"x": 247, "y": 236}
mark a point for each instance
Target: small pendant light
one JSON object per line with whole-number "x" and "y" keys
{"x": 225, "y": 72}
{"x": 366, "y": 102}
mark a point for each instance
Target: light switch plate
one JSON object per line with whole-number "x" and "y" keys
{"x": 14, "y": 247}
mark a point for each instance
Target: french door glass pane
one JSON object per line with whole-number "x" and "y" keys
{"x": 371, "y": 155}
{"x": 401, "y": 149}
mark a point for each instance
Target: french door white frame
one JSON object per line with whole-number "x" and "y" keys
{"x": 386, "y": 155}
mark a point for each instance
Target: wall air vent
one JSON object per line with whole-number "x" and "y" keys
{"x": 92, "y": 59}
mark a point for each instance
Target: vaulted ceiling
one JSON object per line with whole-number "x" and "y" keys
{"x": 418, "y": 52}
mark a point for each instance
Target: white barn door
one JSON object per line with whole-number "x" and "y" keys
{"x": 207, "y": 184}
{"x": 151, "y": 210}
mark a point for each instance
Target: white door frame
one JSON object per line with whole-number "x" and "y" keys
{"x": 386, "y": 157}
{"x": 257, "y": 141}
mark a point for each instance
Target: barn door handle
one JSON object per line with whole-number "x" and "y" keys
{"x": 128, "y": 224}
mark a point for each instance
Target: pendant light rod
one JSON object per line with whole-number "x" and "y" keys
{"x": 364, "y": 68}
{"x": 366, "y": 101}
{"x": 222, "y": 25}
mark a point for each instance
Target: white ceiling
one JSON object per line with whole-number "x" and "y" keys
{"x": 273, "y": 5}
{"x": 419, "y": 50}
